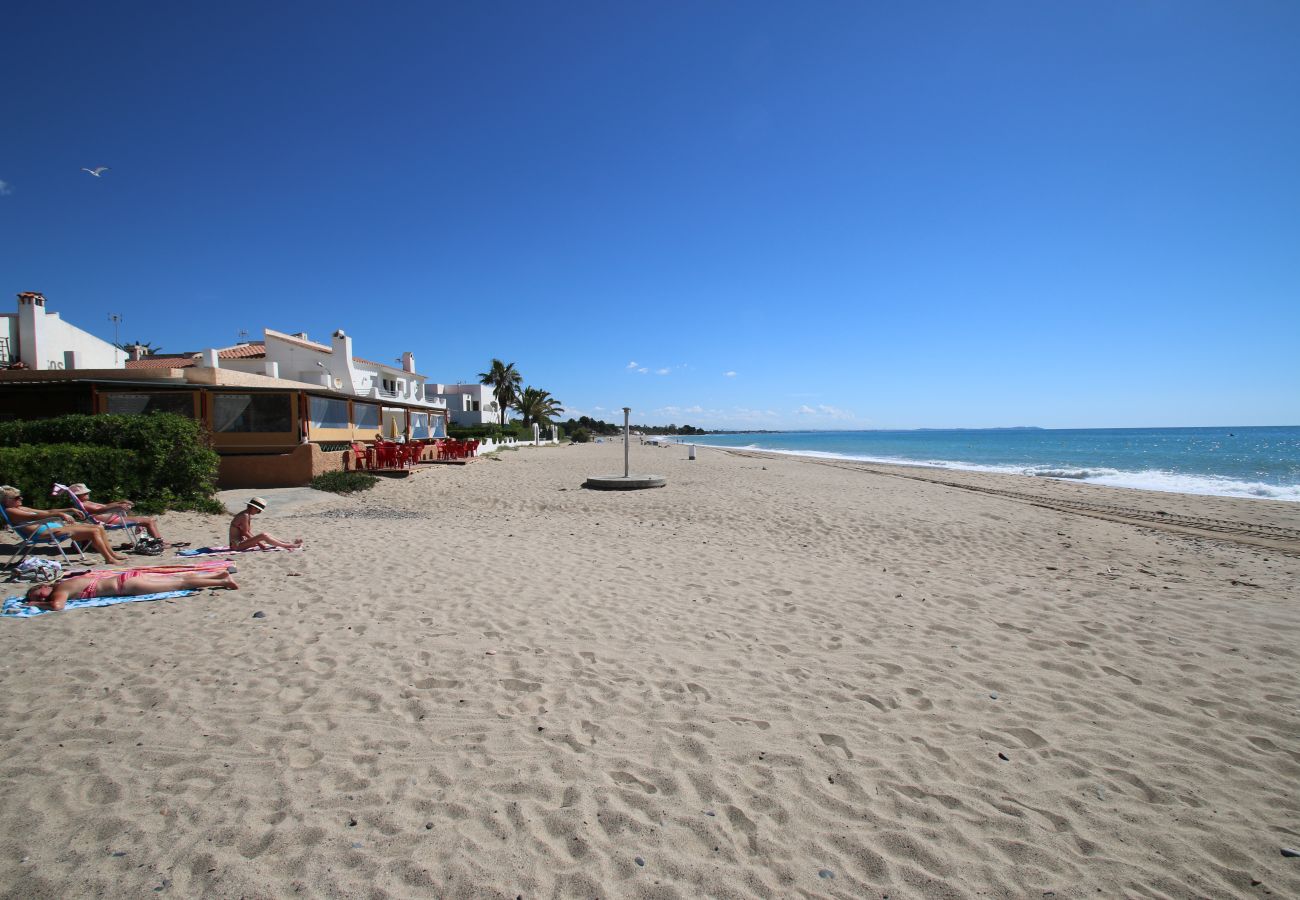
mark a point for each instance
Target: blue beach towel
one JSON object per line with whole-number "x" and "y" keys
{"x": 15, "y": 608}
{"x": 221, "y": 551}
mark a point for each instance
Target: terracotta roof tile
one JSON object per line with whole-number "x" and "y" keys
{"x": 161, "y": 362}
{"x": 251, "y": 350}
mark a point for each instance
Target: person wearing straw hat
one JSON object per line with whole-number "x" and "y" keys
{"x": 108, "y": 512}
{"x": 243, "y": 538}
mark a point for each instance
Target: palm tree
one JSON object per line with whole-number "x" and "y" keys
{"x": 537, "y": 405}
{"x": 146, "y": 348}
{"x": 505, "y": 380}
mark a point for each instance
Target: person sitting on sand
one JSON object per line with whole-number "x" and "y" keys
{"x": 241, "y": 531}
{"x": 115, "y": 512}
{"x": 28, "y": 522}
{"x": 126, "y": 584}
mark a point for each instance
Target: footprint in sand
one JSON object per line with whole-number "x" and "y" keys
{"x": 745, "y": 824}
{"x": 520, "y": 687}
{"x": 698, "y": 690}
{"x": 630, "y": 780}
{"x": 834, "y": 740}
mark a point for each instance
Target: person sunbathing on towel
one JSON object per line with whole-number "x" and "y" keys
{"x": 117, "y": 510}
{"x": 126, "y": 584}
{"x": 241, "y": 531}
{"x": 29, "y": 522}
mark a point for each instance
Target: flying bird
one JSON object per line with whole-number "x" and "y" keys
{"x": 97, "y": 171}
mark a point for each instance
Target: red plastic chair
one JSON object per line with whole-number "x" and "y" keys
{"x": 359, "y": 456}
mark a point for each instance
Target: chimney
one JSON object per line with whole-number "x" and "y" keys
{"x": 408, "y": 362}
{"x": 208, "y": 359}
{"x": 342, "y": 348}
{"x": 31, "y": 330}
{"x": 300, "y": 335}
{"x": 135, "y": 353}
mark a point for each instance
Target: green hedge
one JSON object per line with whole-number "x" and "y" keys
{"x": 159, "y": 461}
{"x": 344, "y": 482}
{"x": 474, "y": 432}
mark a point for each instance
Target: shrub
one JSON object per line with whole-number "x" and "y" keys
{"x": 474, "y": 432}
{"x": 159, "y": 460}
{"x": 580, "y": 436}
{"x": 344, "y": 482}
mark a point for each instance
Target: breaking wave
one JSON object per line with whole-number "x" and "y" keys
{"x": 1144, "y": 480}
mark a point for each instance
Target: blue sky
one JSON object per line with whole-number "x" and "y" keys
{"x": 750, "y": 215}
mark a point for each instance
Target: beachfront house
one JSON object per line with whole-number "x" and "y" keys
{"x": 35, "y": 338}
{"x": 469, "y": 404}
{"x": 281, "y": 411}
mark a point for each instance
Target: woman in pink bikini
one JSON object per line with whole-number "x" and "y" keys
{"x": 130, "y": 583}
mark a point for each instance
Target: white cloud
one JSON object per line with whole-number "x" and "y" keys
{"x": 662, "y": 371}
{"x": 729, "y": 374}
{"x": 643, "y": 370}
{"x": 823, "y": 411}
{"x": 5, "y": 188}
{"x": 709, "y": 418}
{"x": 632, "y": 364}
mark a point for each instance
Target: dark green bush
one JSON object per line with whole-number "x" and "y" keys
{"x": 344, "y": 482}
{"x": 580, "y": 435}
{"x": 172, "y": 464}
{"x": 474, "y": 432}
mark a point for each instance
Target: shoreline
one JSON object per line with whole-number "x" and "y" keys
{"x": 1015, "y": 471}
{"x": 1138, "y": 505}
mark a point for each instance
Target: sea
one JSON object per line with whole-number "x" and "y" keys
{"x": 1255, "y": 462}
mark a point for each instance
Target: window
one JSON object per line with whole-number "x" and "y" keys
{"x": 366, "y": 416}
{"x": 182, "y": 404}
{"x": 328, "y": 413}
{"x": 255, "y": 413}
{"x": 419, "y": 425}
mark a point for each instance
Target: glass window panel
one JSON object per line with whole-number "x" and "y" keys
{"x": 182, "y": 404}
{"x": 419, "y": 425}
{"x": 327, "y": 412}
{"x": 366, "y": 415}
{"x": 252, "y": 413}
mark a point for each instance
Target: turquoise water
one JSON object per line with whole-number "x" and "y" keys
{"x": 1260, "y": 462}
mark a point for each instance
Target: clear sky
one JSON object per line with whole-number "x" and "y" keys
{"x": 749, "y": 214}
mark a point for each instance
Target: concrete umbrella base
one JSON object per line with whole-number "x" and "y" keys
{"x": 624, "y": 482}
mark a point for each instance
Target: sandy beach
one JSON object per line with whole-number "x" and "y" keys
{"x": 772, "y": 678}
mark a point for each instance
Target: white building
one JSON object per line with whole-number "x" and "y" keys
{"x": 295, "y": 357}
{"x": 39, "y": 339}
{"x": 469, "y": 404}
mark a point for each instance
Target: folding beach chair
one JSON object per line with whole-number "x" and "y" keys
{"x": 38, "y": 537}
{"x": 116, "y": 521}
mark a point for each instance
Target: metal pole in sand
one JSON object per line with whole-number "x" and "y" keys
{"x": 627, "y": 481}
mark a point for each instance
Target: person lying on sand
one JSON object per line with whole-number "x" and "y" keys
{"x": 125, "y": 584}
{"x": 117, "y": 510}
{"x": 241, "y": 531}
{"x": 28, "y": 522}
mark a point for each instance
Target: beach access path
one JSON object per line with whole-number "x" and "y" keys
{"x": 771, "y": 678}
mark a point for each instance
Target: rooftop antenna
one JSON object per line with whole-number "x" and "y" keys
{"x": 243, "y": 336}
{"x": 116, "y": 319}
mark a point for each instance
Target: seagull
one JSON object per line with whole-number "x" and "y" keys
{"x": 97, "y": 171}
